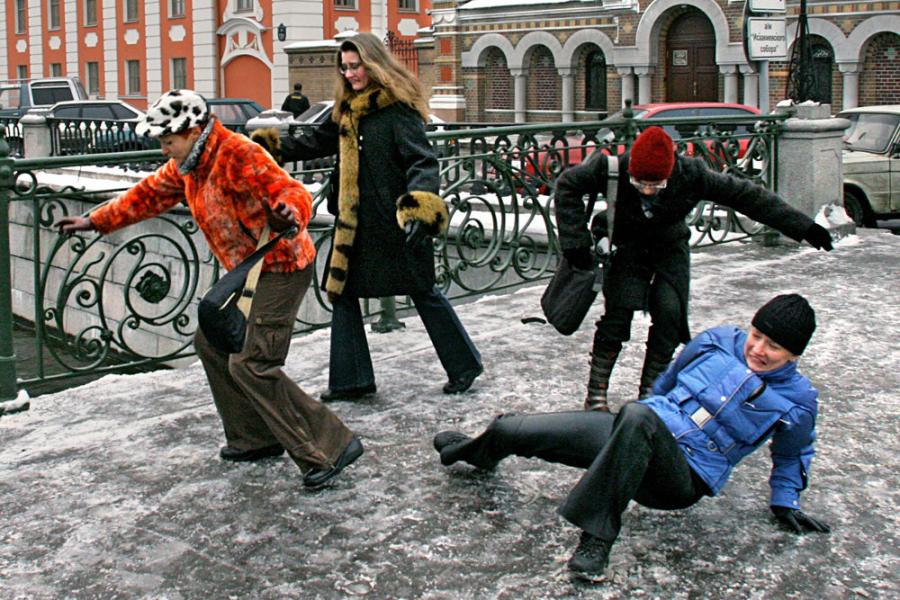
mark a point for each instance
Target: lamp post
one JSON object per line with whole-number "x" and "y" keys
{"x": 801, "y": 83}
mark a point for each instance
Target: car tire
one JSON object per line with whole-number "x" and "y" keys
{"x": 858, "y": 209}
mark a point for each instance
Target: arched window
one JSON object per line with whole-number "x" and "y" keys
{"x": 595, "y": 81}
{"x": 823, "y": 65}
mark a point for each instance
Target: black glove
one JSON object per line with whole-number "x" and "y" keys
{"x": 580, "y": 258}
{"x": 415, "y": 233}
{"x": 797, "y": 521}
{"x": 818, "y": 237}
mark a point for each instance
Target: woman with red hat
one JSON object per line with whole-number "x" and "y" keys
{"x": 650, "y": 266}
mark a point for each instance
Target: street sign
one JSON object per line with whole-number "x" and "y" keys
{"x": 766, "y": 38}
{"x": 767, "y": 6}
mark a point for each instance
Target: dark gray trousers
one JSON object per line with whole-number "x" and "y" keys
{"x": 629, "y": 456}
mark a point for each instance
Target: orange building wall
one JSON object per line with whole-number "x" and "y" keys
{"x": 243, "y": 80}
{"x": 14, "y": 58}
{"x": 362, "y": 14}
{"x": 422, "y": 17}
{"x": 58, "y": 55}
{"x": 130, "y": 52}
{"x": 86, "y": 54}
{"x": 182, "y": 49}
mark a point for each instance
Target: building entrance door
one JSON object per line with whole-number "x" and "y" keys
{"x": 692, "y": 74}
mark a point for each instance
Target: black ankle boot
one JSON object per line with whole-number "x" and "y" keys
{"x": 591, "y": 556}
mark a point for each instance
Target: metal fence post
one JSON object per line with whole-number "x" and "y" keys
{"x": 388, "y": 320}
{"x": 7, "y": 350}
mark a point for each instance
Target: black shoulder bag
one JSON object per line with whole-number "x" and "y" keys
{"x": 572, "y": 291}
{"x": 223, "y": 310}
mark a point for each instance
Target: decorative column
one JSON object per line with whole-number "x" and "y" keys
{"x": 751, "y": 86}
{"x": 520, "y": 93}
{"x": 729, "y": 73}
{"x": 448, "y": 92}
{"x": 850, "y": 73}
{"x": 627, "y": 78}
{"x": 644, "y": 75}
{"x": 568, "y": 94}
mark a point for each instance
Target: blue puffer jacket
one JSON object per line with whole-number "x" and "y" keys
{"x": 720, "y": 411}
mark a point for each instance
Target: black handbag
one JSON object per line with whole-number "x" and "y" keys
{"x": 223, "y": 310}
{"x": 572, "y": 291}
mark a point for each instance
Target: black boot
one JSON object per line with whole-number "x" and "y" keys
{"x": 591, "y": 556}
{"x": 602, "y": 364}
{"x": 654, "y": 364}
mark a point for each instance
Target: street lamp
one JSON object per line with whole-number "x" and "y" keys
{"x": 281, "y": 32}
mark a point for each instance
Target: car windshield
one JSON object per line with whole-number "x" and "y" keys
{"x": 870, "y": 132}
{"x": 310, "y": 113}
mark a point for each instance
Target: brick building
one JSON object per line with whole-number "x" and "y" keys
{"x": 552, "y": 60}
{"x": 137, "y": 49}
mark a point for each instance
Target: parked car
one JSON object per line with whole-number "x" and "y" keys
{"x": 234, "y": 112}
{"x": 872, "y": 163}
{"x": 18, "y": 96}
{"x": 92, "y": 126}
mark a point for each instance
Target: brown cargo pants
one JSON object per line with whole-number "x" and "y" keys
{"x": 258, "y": 403}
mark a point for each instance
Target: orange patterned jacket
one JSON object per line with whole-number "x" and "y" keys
{"x": 225, "y": 192}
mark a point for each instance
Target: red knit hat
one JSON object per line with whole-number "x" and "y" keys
{"x": 652, "y": 155}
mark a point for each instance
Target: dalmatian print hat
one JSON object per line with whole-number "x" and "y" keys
{"x": 174, "y": 112}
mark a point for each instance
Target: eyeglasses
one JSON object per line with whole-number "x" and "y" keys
{"x": 344, "y": 67}
{"x": 659, "y": 185}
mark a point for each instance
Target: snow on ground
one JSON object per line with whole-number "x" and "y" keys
{"x": 115, "y": 489}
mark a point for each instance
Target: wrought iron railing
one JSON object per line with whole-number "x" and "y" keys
{"x": 129, "y": 299}
{"x": 95, "y": 136}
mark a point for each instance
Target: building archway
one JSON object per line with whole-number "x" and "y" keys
{"x": 691, "y": 71}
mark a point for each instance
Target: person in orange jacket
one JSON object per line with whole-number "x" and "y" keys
{"x": 233, "y": 189}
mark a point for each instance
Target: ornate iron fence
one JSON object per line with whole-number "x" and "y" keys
{"x": 129, "y": 299}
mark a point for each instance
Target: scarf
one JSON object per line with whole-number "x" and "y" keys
{"x": 199, "y": 146}
{"x": 353, "y": 108}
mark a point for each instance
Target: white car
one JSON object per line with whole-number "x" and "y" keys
{"x": 872, "y": 163}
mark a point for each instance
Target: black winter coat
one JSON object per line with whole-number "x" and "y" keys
{"x": 395, "y": 157}
{"x": 659, "y": 246}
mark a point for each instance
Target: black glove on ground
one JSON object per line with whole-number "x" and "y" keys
{"x": 818, "y": 237}
{"x": 580, "y": 258}
{"x": 797, "y": 521}
{"x": 415, "y": 233}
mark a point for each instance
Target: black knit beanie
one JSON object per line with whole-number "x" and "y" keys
{"x": 788, "y": 319}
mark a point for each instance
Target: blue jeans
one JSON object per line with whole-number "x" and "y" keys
{"x": 350, "y": 365}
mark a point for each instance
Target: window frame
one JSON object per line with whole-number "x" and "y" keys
{"x": 54, "y": 21}
{"x": 345, "y": 4}
{"x": 401, "y": 8}
{"x": 56, "y": 70}
{"x": 21, "y": 18}
{"x": 176, "y": 9}
{"x": 126, "y": 9}
{"x": 90, "y": 13}
{"x": 242, "y": 6}
{"x": 173, "y": 74}
{"x": 92, "y": 80}
{"x": 130, "y": 89}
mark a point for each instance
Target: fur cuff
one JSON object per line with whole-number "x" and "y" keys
{"x": 270, "y": 139}
{"x": 426, "y": 207}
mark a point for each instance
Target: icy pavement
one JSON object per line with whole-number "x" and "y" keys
{"x": 115, "y": 489}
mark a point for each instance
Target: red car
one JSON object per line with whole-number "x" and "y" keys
{"x": 552, "y": 163}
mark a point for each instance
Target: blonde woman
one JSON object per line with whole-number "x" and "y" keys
{"x": 387, "y": 209}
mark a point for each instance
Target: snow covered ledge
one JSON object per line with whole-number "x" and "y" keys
{"x": 810, "y": 165}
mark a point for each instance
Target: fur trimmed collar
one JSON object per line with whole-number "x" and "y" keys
{"x": 353, "y": 108}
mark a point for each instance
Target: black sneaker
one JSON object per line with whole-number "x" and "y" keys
{"x": 348, "y": 394}
{"x": 590, "y": 557}
{"x": 318, "y": 477}
{"x": 458, "y": 385}
{"x": 235, "y": 455}
{"x": 444, "y": 440}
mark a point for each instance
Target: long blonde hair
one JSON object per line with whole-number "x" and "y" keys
{"x": 383, "y": 70}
